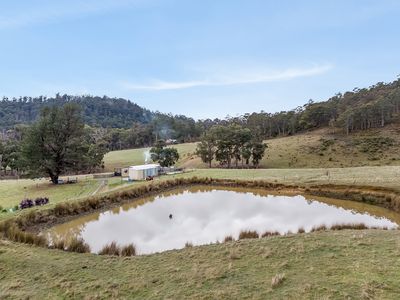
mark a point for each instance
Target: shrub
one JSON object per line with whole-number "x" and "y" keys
{"x": 14, "y": 233}
{"x": 110, "y": 249}
{"x": 301, "y": 230}
{"x": 319, "y": 228}
{"x": 26, "y": 203}
{"x": 128, "y": 250}
{"x": 358, "y": 226}
{"x": 61, "y": 209}
{"x": 248, "y": 234}
{"x": 41, "y": 201}
{"x": 270, "y": 233}
{"x": 59, "y": 244}
{"x": 228, "y": 238}
{"x": 78, "y": 245}
{"x": 39, "y": 240}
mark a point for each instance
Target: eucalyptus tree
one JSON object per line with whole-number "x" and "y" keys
{"x": 57, "y": 144}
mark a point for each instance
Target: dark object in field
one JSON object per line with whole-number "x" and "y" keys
{"x": 117, "y": 172}
{"x": 28, "y": 203}
{"x": 41, "y": 201}
{"x": 148, "y": 178}
{"x": 170, "y": 216}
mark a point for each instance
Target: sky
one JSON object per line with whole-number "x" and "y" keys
{"x": 203, "y": 59}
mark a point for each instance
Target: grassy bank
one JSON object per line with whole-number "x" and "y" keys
{"x": 13, "y": 191}
{"x": 345, "y": 264}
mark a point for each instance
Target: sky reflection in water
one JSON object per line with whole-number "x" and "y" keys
{"x": 206, "y": 215}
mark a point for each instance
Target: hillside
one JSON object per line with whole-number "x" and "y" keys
{"x": 318, "y": 148}
{"x": 357, "y": 110}
{"x": 97, "y": 111}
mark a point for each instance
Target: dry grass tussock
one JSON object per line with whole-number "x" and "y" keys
{"x": 78, "y": 245}
{"x": 277, "y": 280}
{"x": 116, "y": 250}
{"x": 11, "y": 231}
{"x": 270, "y": 233}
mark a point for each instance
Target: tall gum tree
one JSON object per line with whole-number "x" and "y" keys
{"x": 56, "y": 143}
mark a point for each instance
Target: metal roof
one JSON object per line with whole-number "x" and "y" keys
{"x": 144, "y": 167}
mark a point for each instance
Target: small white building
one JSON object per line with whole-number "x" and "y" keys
{"x": 141, "y": 172}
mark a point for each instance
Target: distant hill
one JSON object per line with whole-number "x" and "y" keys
{"x": 97, "y": 111}
{"x": 358, "y": 110}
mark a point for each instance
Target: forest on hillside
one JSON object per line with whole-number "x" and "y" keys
{"x": 97, "y": 111}
{"x": 120, "y": 124}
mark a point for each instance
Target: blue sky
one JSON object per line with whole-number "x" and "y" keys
{"x": 200, "y": 58}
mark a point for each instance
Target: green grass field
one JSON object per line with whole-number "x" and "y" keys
{"x": 349, "y": 264}
{"x": 13, "y": 191}
{"x": 126, "y": 158}
{"x": 340, "y": 265}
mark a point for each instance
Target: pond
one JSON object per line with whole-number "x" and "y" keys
{"x": 202, "y": 215}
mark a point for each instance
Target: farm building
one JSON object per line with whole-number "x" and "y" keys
{"x": 142, "y": 172}
{"x": 123, "y": 172}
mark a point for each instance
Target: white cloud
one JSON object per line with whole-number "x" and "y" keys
{"x": 236, "y": 78}
{"x": 58, "y": 11}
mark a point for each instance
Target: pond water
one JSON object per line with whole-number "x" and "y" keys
{"x": 202, "y": 215}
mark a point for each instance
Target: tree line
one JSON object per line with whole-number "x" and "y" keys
{"x": 96, "y": 111}
{"x": 231, "y": 145}
{"x": 120, "y": 124}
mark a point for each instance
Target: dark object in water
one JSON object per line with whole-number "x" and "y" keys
{"x": 170, "y": 216}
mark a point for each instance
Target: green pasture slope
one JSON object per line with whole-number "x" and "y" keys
{"x": 351, "y": 264}
{"x": 315, "y": 149}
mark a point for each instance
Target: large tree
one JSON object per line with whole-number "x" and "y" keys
{"x": 207, "y": 147}
{"x": 10, "y": 156}
{"x": 56, "y": 144}
{"x": 258, "y": 152}
{"x": 166, "y": 157}
{"x": 228, "y": 142}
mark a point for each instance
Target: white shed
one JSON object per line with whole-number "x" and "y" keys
{"x": 141, "y": 172}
